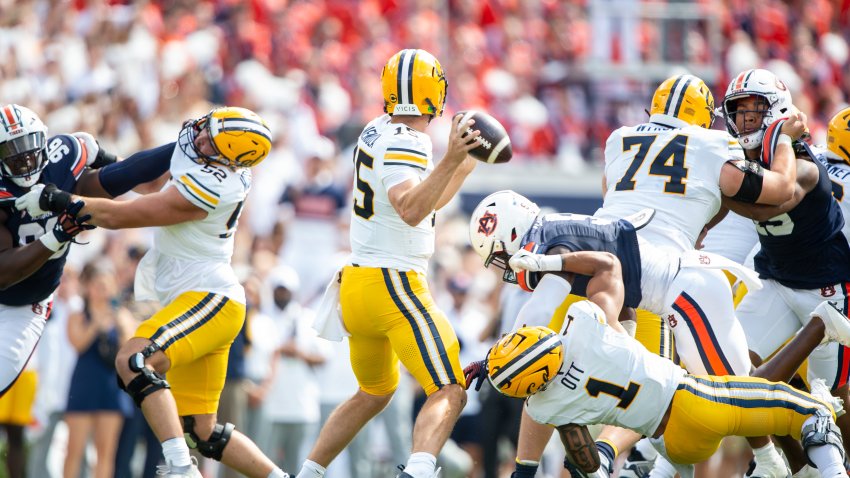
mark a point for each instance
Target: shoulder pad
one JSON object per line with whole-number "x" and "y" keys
{"x": 66, "y": 150}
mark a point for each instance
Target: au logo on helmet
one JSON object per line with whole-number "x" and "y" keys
{"x": 487, "y": 223}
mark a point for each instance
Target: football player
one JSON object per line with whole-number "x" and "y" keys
{"x": 383, "y": 291}
{"x": 836, "y": 158}
{"x": 649, "y": 165}
{"x": 33, "y": 247}
{"x": 804, "y": 257}
{"x": 188, "y": 271}
{"x": 593, "y": 373}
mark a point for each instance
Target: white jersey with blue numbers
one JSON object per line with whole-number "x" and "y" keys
{"x": 388, "y": 154}
{"x": 607, "y": 378}
{"x": 839, "y": 174}
{"x": 195, "y": 255}
{"x": 672, "y": 169}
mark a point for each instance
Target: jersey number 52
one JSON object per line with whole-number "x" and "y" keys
{"x": 670, "y": 162}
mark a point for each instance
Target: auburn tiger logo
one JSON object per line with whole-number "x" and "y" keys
{"x": 487, "y": 223}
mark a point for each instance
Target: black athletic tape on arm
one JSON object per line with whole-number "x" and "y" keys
{"x": 753, "y": 181}
{"x": 144, "y": 166}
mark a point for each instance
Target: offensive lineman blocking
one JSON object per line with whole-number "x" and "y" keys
{"x": 188, "y": 271}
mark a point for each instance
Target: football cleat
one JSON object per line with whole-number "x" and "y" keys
{"x": 773, "y": 469}
{"x": 836, "y": 324}
{"x": 636, "y": 465}
{"x": 169, "y": 471}
{"x": 820, "y": 391}
{"x": 403, "y": 474}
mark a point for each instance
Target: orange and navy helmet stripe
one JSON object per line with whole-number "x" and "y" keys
{"x": 741, "y": 81}
{"x": 11, "y": 117}
{"x": 710, "y": 352}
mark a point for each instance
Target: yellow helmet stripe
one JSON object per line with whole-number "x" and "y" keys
{"x": 678, "y": 94}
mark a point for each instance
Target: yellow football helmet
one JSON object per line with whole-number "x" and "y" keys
{"x": 414, "y": 84}
{"x": 838, "y": 135}
{"x": 524, "y": 361}
{"x": 685, "y": 97}
{"x": 241, "y": 138}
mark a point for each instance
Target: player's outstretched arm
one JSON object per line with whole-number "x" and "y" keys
{"x": 164, "y": 208}
{"x": 118, "y": 177}
{"x": 414, "y": 202}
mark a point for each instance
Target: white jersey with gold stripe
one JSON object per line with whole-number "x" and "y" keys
{"x": 388, "y": 154}
{"x": 671, "y": 167}
{"x": 839, "y": 174}
{"x": 607, "y": 377}
{"x": 196, "y": 255}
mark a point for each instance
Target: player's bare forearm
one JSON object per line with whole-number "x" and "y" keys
{"x": 580, "y": 447}
{"x": 19, "y": 262}
{"x": 164, "y": 208}
{"x": 780, "y": 179}
{"x": 605, "y": 287}
{"x": 416, "y": 202}
{"x": 456, "y": 181}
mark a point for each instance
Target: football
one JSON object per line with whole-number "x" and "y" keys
{"x": 494, "y": 143}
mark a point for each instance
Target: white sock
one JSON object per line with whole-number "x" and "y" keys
{"x": 767, "y": 454}
{"x": 662, "y": 468}
{"x": 310, "y": 469}
{"x": 421, "y": 465}
{"x": 646, "y": 449}
{"x": 828, "y": 460}
{"x": 176, "y": 452}
{"x": 278, "y": 473}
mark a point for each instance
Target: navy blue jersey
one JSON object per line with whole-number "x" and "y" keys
{"x": 577, "y": 232}
{"x": 805, "y": 248}
{"x": 66, "y": 162}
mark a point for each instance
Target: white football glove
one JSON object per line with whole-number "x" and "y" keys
{"x": 29, "y": 202}
{"x": 92, "y": 148}
{"x": 528, "y": 261}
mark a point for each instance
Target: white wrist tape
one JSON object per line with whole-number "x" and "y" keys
{"x": 49, "y": 240}
{"x": 783, "y": 139}
{"x": 551, "y": 263}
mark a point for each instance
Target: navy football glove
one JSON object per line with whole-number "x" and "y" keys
{"x": 475, "y": 371}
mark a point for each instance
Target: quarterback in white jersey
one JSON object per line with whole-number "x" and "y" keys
{"x": 594, "y": 373}
{"x": 188, "y": 270}
{"x": 384, "y": 299}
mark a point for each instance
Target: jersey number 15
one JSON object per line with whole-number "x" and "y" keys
{"x": 670, "y": 162}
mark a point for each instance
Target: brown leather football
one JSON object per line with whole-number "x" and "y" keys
{"x": 494, "y": 142}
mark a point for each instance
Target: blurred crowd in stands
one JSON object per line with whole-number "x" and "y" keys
{"x": 130, "y": 72}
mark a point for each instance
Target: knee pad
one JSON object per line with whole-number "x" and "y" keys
{"x": 823, "y": 431}
{"x": 213, "y": 447}
{"x": 144, "y": 384}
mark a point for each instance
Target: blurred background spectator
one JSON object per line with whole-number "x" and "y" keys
{"x": 559, "y": 74}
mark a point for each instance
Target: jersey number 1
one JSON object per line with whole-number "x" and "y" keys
{"x": 670, "y": 162}
{"x": 626, "y": 395}
{"x": 367, "y": 210}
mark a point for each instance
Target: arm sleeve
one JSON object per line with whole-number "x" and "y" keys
{"x": 547, "y": 296}
{"x": 142, "y": 167}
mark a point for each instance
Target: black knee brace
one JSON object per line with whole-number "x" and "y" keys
{"x": 212, "y": 447}
{"x": 823, "y": 431}
{"x": 147, "y": 382}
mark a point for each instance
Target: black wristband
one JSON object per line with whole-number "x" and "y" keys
{"x": 54, "y": 199}
{"x": 102, "y": 159}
